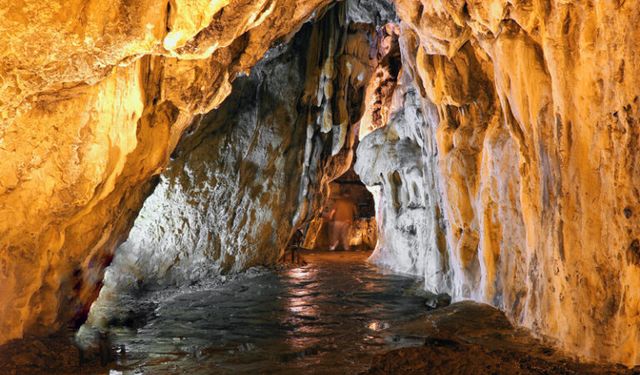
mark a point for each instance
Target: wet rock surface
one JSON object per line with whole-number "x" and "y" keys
{"x": 397, "y": 159}
{"x": 332, "y": 314}
{"x": 55, "y": 354}
{"x": 94, "y": 97}
{"x": 537, "y": 158}
{"x": 326, "y": 317}
{"x": 226, "y": 200}
{"x": 246, "y": 175}
{"x": 472, "y": 338}
{"x": 435, "y": 301}
{"x": 506, "y": 170}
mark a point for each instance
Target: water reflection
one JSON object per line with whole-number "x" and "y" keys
{"x": 378, "y": 325}
{"x": 328, "y": 317}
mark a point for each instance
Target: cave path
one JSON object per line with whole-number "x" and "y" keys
{"x": 329, "y": 316}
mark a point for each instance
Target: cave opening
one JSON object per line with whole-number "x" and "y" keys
{"x": 346, "y": 220}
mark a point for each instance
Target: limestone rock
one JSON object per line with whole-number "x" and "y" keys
{"x": 94, "y": 97}
{"x": 537, "y": 149}
{"x": 435, "y": 301}
{"x": 473, "y": 338}
{"x": 499, "y": 137}
{"x": 397, "y": 159}
{"x": 238, "y": 183}
{"x": 226, "y": 201}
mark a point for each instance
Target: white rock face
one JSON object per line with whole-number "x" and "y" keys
{"x": 398, "y": 163}
{"x": 227, "y": 199}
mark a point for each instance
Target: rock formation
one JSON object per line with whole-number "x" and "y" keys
{"x": 399, "y": 164}
{"x": 500, "y": 140}
{"x": 536, "y": 145}
{"x": 461, "y": 339}
{"x": 227, "y": 199}
{"x": 95, "y": 97}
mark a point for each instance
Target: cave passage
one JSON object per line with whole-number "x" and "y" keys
{"x": 252, "y": 186}
{"x": 330, "y": 315}
{"x": 347, "y": 219}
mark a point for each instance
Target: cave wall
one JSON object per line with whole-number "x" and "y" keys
{"x": 227, "y": 198}
{"x": 535, "y": 126}
{"x": 519, "y": 187}
{"x": 93, "y": 109}
{"x": 249, "y": 173}
{"x": 398, "y": 162}
{"x": 94, "y": 97}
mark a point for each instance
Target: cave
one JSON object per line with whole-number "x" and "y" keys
{"x": 319, "y": 186}
{"x": 346, "y": 221}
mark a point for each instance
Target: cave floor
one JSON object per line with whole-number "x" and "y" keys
{"x": 329, "y": 316}
{"x": 335, "y": 314}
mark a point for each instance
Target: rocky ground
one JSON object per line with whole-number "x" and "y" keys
{"x": 463, "y": 338}
{"x": 473, "y": 338}
{"x": 57, "y": 354}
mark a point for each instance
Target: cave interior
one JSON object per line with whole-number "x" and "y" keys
{"x": 318, "y": 186}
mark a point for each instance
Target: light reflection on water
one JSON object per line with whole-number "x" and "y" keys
{"x": 328, "y": 317}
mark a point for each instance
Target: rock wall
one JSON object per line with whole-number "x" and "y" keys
{"x": 94, "y": 97}
{"x": 511, "y": 178}
{"x": 226, "y": 200}
{"x": 536, "y": 164}
{"x": 244, "y": 176}
{"x": 399, "y": 164}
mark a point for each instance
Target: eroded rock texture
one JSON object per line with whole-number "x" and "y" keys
{"x": 499, "y": 137}
{"x": 536, "y": 153}
{"x": 226, "y": 201}
{"x": 399, "y": 164}
{"x": 473, "y": 338}
{"x": 94, "y": 97}
{"x": 248, "y": 174}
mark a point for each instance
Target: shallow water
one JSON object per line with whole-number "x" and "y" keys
{"x": 328, "y": 317}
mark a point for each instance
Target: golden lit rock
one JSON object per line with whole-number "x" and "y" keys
{"x": 499, "y": 138}
{"x": 537, "y": 140}
{"x": 94, "y": 96}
